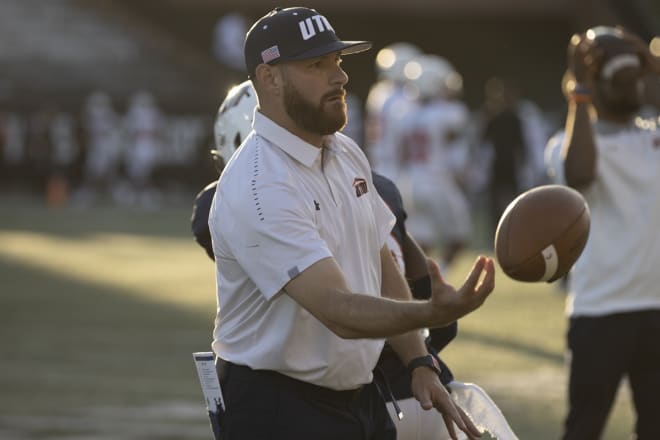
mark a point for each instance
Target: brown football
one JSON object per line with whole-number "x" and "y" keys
{"x": 542, "y": 233}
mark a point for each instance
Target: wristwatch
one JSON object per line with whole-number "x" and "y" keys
{"x": 424, "y": 361}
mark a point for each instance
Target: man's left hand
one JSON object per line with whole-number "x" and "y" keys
{"x": 430, "y": 393}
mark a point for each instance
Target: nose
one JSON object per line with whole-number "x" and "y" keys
{"x": 339, "y": 77}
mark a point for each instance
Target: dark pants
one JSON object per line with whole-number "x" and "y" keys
{"x": 603, "y": 350}
{"x": 266, "y": 405}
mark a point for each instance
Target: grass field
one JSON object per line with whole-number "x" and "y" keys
{"x": 101, "y": 309}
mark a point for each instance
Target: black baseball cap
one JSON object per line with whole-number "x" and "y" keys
{"x": 292, "y": 34}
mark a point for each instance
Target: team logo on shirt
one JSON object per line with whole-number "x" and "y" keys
{"x": 360, "y": 186}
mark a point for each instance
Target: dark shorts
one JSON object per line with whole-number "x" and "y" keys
{"x": 262, "y": 404}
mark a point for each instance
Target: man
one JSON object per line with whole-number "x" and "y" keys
{"x": 301, "y": 262}
{"x": 233, "y": 124}
{"x": 612, "y": 157}
{"x": 503, "y": 139}
{"x": 433, "y": 155}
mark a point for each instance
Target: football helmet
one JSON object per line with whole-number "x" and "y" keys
{"x": 391, "y": 60}
{"x": 233, "y": 122}
{"x": 433, "y": 76}
{"x": 610, "y": 45}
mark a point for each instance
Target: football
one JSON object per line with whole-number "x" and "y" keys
{"x": 542, "y": 233}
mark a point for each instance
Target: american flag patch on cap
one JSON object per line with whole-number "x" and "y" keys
{"x": 270, "y": 54}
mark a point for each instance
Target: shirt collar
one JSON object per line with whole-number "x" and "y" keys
{"x": 291, "y": 144}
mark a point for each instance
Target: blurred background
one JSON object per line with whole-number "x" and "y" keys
{"x": 106, "y": 121}
{"x": 156, "y": 71}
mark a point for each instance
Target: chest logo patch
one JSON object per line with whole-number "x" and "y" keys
{"x": 360, "y": 186}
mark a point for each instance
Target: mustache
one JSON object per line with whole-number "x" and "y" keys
{"x": 339, "y": 93}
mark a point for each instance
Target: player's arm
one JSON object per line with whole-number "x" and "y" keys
{"x": 199, "y": 219}
{"x": 322, "y": 290}
{"x": 419, "y": 280}
{"x": 414, "y": 258}
{"x": 579, "y": 149}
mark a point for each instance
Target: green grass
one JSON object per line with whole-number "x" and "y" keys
{"x": 100, "y": 311}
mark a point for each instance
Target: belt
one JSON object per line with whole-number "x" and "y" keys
{"x": 228, "y": 370}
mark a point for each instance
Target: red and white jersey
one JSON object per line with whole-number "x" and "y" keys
{"x": 432, "y": 140}
{"x": 103, "y": 128}
{"x": 144, "y": 125}
{"x": 433, "y": 152}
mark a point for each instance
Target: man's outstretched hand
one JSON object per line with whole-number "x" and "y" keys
{"x": 449, "y": 303}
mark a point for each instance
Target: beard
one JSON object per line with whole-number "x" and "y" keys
{"x": 324, "y": 118}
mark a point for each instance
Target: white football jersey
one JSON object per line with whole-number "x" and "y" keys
{"x": 433, "y": 152}
{"x": 432, "y": 140}
{"x": 387, "y": 107}
{"x": 617, "y": 271}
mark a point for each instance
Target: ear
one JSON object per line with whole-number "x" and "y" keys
{"x": 270, "y": 78}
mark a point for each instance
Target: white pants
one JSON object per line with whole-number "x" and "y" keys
{"x": 419, "y": 424}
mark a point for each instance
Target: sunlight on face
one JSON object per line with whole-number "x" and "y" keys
{"x": 326, "y": 117}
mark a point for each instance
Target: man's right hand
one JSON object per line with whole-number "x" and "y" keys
{"x": 580, "y": 59}
{"x": 450, "y": 304}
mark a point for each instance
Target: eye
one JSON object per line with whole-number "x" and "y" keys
{"x": 313, "y": 63}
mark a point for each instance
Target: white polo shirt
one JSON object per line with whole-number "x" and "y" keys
{"x": 618, "y": 269}
{"x": 281, "y": 205}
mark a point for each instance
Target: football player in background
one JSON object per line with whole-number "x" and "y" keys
{"x": 102, "y": 127}
{"x": 233, "y": 124}
{"x": 433, "y": 155}
{"x": 144, "y": 144}
{"x": 389, "y": 100}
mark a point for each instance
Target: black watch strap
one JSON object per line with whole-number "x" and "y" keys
{"x": 424, "y": 361}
